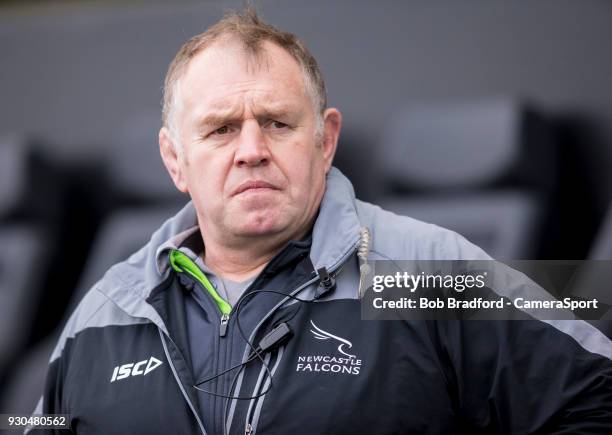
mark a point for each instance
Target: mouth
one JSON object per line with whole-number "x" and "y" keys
{"x": 253, "y": 185}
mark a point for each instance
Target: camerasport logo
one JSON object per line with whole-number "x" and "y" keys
{"x": 342, "y": 362}
{"x": 143, "y": 368}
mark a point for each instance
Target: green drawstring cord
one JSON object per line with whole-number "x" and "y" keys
{"x": 182, "y": 263}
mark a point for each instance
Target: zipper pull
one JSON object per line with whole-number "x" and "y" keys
{"x": 248, "y": 430}
{"x": 223, "y": 325}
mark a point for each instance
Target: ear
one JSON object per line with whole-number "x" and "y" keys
{"x": 173, "y": 159}
{"x": 332, "y": 123}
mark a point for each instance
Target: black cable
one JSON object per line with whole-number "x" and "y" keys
{"x": 235, "y": 397}
{"x": 255, "y": 352}
{"x": 251, "y": 358}
{"x": 239, "y": 306}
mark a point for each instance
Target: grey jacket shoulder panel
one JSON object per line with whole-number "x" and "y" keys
{"x": 403, "y": 238}
{"x": 336, "y": 230}
{"x": 119, "y": 297}
{"x": 94, "y": 311}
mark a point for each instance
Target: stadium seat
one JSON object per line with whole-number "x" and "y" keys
{"x": 22, "y": 266}
{"x": 119, "y": 236}
{"x": 602, "y": 246}
{"x": 482, "y": 168}
{"x": 13, "y": 173}
{"x": 504, "y": 223}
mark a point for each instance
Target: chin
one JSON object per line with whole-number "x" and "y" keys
{"x": 258, "y": 231}
{"x": 260, "y": 226}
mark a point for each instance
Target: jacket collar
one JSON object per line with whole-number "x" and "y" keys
{"x": 129, "y": 283}
{"x": 336, "y": 230}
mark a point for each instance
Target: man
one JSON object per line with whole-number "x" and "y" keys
{"x": 195, "y": 332}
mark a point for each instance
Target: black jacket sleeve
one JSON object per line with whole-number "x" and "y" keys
{"x": 52, "y": 398}
{"x": 528, "y": 376}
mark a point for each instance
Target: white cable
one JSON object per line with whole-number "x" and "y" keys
{"x": 363, "y": 250}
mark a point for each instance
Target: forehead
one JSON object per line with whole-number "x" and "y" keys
{"x": 225, "y": 75}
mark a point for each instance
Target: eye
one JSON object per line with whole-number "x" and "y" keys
{"x": 222, "y": 130}
{"x": 276, "y": 125}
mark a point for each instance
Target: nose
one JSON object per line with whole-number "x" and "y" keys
{"x": 252, "y": 149}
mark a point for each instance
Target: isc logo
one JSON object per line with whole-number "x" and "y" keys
{"x": 134, "y": 369}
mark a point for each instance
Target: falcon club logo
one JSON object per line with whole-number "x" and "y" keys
{"x": 343, "y": 362}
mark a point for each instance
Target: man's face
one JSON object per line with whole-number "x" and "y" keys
{"x": 249, "y": 153}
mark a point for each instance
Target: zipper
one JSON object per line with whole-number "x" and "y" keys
{"x": 179, "y": 382}
{"x": 255, "y": 407}
{"x": 222, "y": 346}
{"x": 223, "y": 325}
{"x": 248, "y": 430}
{"x": 261, "y": 380}
{"x": 183, "y": 264}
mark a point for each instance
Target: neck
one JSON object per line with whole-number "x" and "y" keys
{"x": 240, "y": 262}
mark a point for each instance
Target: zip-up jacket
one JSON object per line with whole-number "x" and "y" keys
{"x": 124, "y": 363}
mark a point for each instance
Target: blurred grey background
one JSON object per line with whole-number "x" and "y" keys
{"x": 493, "y": 118}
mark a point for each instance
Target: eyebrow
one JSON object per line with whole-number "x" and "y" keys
{"x": 219, "y": 116}
{"x": 231, "y": 116}
{"x": 215, "y": 119}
